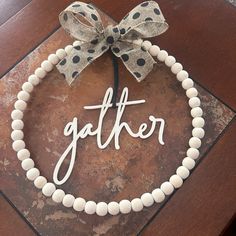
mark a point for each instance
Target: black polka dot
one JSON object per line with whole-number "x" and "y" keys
{"x": 138, "y": 75}
{"x": 110, "y": 40}
{"x": 144, "y": 4}
{"x": 141, "y": 62}
{"x": 76, "y": 5}
{"x": 89, "y": 6}
{"x": 65, "y": 17}
{"x": 103, "y": 48}
{"x": 94, "y": 41}
{"x": 148, "y": 19}
{"x": 125, "y": 57}
{"x": 122, "y": 31}
{"x": 63, "y": 62}
{"x": 136, "y": 15}
{"x": 74, "y": 74}
{"x": 157, "y": 11}
{"x": 89, "y": 58}
{"x": 116, "y": 50}
{"x": 76, "y": 59}
{"x": 94, "y": 17}
{"x": 82, "y": 13}
{"x": 115, "y": 30}
{"x": 91, "y": 51}
{"x": 77, "y": 47}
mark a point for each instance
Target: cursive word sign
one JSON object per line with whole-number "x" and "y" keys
{"x": 88, "y": 130}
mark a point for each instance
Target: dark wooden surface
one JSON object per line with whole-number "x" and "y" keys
{"x": 201, "y": 36}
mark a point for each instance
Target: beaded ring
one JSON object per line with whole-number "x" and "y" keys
{"x": 124, "y": 206}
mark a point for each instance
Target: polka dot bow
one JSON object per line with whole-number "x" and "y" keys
{"x": 83, "y": 22}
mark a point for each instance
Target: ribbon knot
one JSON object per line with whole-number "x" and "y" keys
{"x": 83, "y": 22}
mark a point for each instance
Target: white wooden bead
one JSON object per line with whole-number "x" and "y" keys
{"x": 17, "y": 124}
{"x": 198, "y": 122}
{"x": 17, "y": 135}
{"x": 183, "y": 172}
{"x": 28, "y": 87}
{"x": 23, "y": 154}
{"x": 58, "y": 195}
{"x": 53, "y": 58}
{"x": 158, "y": 195}
{"x": 187, "y": 84}
{"x": 182, "y": 75}
{"x": 77, "y": 43}
{"x": 154, "y": 50}
{"x": 162, "y": 55}
{"x": 167, "y": 188}
{"x": 17, "y": 115}
{"x": 34, "y": 80}
{"x": 194, "y": 102}
{"x": 176, "y": 181}
{"x": 147, "y": 199}
{"x": 170, "y": 61}
{"x": 138, "y": 42}
{"x": 198, "y": 132}
{"x": 125, "y": 206}
{"x": 47, "y": 65}
{"x": 176, "y": 68}
{"x": 101, "y": 209}
{"x": 196, "y": 112}
{"x": 23, "y": 95}
{"x": 18, "y": 145}
{"x": 136, "y": 205}
{"x": 90, "y": 207}
{"x": 68, "y": 49}
{"x": 48, "y": 189}
{"x": 146, "y": 45}
{"x": 113, "y": 208}
{"x": 191, "y": 92}
{"x": 40, "y": 181}
{"x": 27, "y": 164}
{"x": 195, "y": 142}
{"x": 68, "y": 200}
{"x": 20, "y": 105}
{"x": 188, "y": 162}
{"x": 61, "y": 53}
{"x": 79, "y": 204}
{"x": 193, "y": 153}
{"x": 40, "y": 72}
{"x": 32, "y": 174}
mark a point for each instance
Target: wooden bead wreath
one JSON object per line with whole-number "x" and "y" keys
{"x": 124, "y": 206}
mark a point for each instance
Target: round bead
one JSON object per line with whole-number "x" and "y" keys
{"x": 158, "y": 195}
{"x": 23, "y": 95}
{"x": 198, "y": 132}
{"x": 40, "y": 73}
{"x": 194, "y": 102}
{"x": 176, "y": 181}
{"x": 23, "y": 154}
{"x": 20, "y": 105}
{"x": 193, "y": 153}
{"x": 48, "y": 189}
{"x": 27, "y": 164}
{"x": 17, "y": 135}
{"x": 125, "y": 206}
{"x": 195, "y": 142}
{"x": 198, "y": 122}
{"x": 146, "y": 44}
{"x": 187, "y": 84}
{"x": 77, "y": 43}
{"x": 68, "y": 200}
{"x": 68, "y": 49}
{"x": 138, "y": 42}
{"x": 40, "y": 181}
{"x": 53, "y": 58}
{"x": 183, "y": 172}
{"x": 32, "y": 174}
{"x": 28, "y": 87}
{"x": 79, "y": 204}
{"x": 167, "y": 188}
{"x": 17, "y": 124}
{"x": 18, "y": 145}
{"x": 136, "y": 204}
{"x": 176, "y": 68}
{"x": 113, "y": 208}
{"x": 147, "y": 199}
{"x": 191, "y": 92}
{"x": 101, "y": 209}
{"x": 58, "y": 196}
{"x": 17, "y": 115}
{"x": 154, "y": 50}
{"x": 162, "y": 55}
{"x": 188, "y": 162}
{"x": 34, "y": 80}
{"x": 182, "y": 75}
{"x": 170, "y": 61}
{"x": 196, "y": 112}
{"x": 90, "y": 207}
{"x": 61, "y": 53}
{"x": 47, "y": 66}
